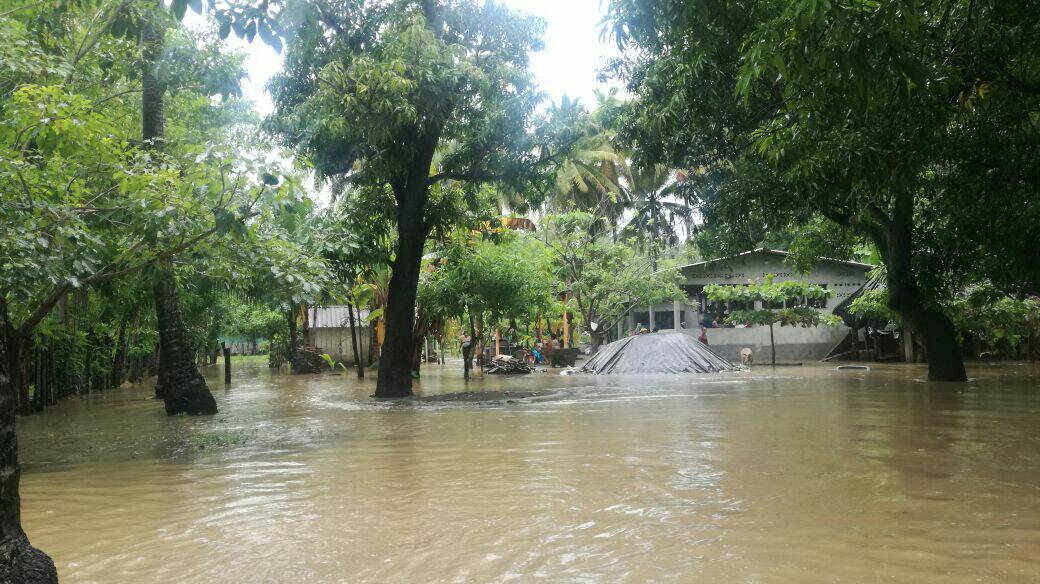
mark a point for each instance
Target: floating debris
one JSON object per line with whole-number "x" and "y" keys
{"x": 506, "y": 365}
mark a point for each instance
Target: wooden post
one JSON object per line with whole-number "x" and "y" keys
{"x": 227, "y": 363}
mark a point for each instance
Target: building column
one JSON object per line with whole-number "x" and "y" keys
{"x": 676, "y": 315}
{"x": 650, "y": 315}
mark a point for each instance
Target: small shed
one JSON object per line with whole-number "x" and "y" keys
{"x": 330, "y": 332}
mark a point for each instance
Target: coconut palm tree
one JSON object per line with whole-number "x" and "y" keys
{"x": 659, "y": 209}
{"x": 588, "y": 178}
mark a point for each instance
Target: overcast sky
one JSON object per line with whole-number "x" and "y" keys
{"x": 568, "y": 65}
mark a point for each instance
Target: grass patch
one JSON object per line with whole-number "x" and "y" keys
{"x": 219, "y": 439}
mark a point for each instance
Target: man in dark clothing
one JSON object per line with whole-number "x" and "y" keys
{"x": 467, "y": 354}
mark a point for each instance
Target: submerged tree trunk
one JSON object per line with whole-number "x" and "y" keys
{"x": 354, "y": 341}
{"x": 293, "y": 341}
{"x": 945, "y": 362}
{"x": 20, "y": 562}
{"x": 395, "y": 361}
{"x": 182, "y": 386}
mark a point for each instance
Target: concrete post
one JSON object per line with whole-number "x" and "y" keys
{"x": 651, "y": 313}
{"x": 676, "y": 315}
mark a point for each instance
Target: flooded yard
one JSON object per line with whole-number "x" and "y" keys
{"x": 798, "y": 474}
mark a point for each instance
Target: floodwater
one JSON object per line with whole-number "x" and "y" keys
{"x": 799, "y": 474}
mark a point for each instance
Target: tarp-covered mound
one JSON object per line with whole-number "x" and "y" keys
{"x": 656, "y": 353}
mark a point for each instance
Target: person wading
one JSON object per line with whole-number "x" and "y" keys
{"x": 467, "y": 354}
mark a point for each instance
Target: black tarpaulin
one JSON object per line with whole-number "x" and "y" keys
{"x": 656, "y": 353}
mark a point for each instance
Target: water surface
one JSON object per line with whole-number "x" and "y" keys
{"x": 794, "y": 475}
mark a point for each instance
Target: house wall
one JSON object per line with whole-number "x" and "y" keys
{"x": 792, "y": 343}
{"x": 337, "y": 343}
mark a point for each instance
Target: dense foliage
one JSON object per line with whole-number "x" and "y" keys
{"x": 908, "y": 124}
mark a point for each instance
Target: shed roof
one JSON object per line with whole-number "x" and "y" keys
{"x": 334, "y": 316}
{"x": 776, "y": 252}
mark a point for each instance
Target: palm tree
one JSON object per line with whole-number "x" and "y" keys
{"x": 658, "y": 206}
{"x": 587, "y": 179}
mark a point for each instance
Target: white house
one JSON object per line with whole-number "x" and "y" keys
{"x": 792, "y": 343}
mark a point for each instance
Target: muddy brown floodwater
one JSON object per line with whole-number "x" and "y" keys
{"x": 794, "y": 475}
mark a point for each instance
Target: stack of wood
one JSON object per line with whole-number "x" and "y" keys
{"x": 506, "y": 365}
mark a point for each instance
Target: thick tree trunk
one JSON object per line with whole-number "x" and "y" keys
{"x": 945, "y": 362}
{"x": 354, "y": 342}
{"x": 395, "y": 361}
{"x": 20, "y": 562}
{"x": 182, "y": 387}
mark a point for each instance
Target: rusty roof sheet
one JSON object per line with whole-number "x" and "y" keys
{"x": 334, "y": 316}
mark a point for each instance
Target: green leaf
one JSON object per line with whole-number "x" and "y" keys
{"x": 270, "y": 37}
{"x": 179, "y": 7}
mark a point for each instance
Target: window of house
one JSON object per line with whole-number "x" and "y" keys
{"x": 820, "y": 303}
{"x": 641, "y": 319}
{"x": 664, "y": 319}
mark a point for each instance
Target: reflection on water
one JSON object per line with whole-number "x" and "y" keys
{"x": 802, "y": 475}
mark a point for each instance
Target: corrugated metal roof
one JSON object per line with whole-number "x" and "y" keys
{"x": 778, "y": 252}
{"x": 334, "y": 316}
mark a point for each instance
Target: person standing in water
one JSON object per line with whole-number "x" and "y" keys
{"x": 467, "y": 354}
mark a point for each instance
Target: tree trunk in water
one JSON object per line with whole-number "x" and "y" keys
{"x": 395, "y": 361}
{"x": 417, "y": 341}
{"x": 354, "y": 342}
{"x": 119, "y": 361}
{"x": 182, "y": 386}
{"x": 945, "y": 362}
{"x": 20, "y": 562}
{"x": 227, "y": 363}
{"x": 291, "y": 355}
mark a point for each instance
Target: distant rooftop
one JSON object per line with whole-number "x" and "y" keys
{"x": 776, "y": 252}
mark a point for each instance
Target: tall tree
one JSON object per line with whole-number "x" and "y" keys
{"x": 603, "y": 278}
{"x": 19, "y": 560}
{"x": 180, "y": 384}
{"x": 375, "y": 91}
{"x": 867, "y": 113}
